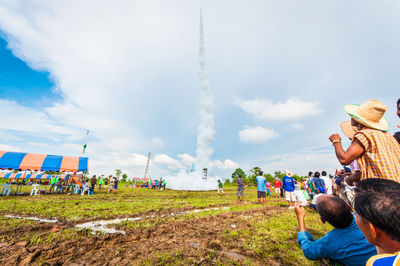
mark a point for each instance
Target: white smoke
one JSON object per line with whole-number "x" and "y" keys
{"x": 195, "y": 180}
{"x": 191, "y": 181}
{"x": 206, "y": 125}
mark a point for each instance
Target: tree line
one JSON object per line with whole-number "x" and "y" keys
{"x": 250, "y": 178}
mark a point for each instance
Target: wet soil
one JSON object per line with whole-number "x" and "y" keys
{"x": 192, "y": 241}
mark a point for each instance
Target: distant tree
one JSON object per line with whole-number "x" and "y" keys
{"x": 251, "y": 179}
{"x": 124, "y": 177}
{"x": 298, "y": 177}
{"x": 269, "y": 177}
{"x": 235, "y": 174}
{"x": 118, "y": 173}
{"x": 279, "y": 174}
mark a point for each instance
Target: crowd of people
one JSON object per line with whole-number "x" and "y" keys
{"x": 361, "y": 200}
{"x": 365, "y": 212}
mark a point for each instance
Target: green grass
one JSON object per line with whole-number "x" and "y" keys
{"x": 128, "y": 202}
{"x": 275, "y": 237}
{"x": 267, "y": 237}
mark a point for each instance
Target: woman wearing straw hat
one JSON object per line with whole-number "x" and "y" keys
{"x": 376, "y": 151}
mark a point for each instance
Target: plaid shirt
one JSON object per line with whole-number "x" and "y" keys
{"x": 381, "y": 157}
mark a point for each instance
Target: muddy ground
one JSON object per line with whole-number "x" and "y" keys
{"x": 199, "y": 241}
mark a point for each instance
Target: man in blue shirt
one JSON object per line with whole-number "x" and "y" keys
{"x": 261, "y": 188}
{"x": 345, "y": 244}
{"x": 288, "y": 187}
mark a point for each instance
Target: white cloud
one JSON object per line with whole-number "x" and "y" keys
{"x": 298, "y": 126}
{"x": 256, "y": 134}
{"x": 4, "y": 147}
{"x": 302, "y": 162}
{"x": 134, "y": 160}
{"x": 265, "y": 109}
{"x": 187, "y": 159}
{"x": 157, "y": 141}
{"x": 165, "y": 159}
{"x": 226, "y": 165}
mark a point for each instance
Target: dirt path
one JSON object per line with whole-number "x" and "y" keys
{"x": 191, "y": 241}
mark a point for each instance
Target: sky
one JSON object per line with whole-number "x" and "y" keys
{"x": 280, "y": 73}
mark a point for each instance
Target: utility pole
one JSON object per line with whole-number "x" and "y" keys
{"x": 146, "y": 172}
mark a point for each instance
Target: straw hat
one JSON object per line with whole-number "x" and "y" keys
{"x": 369, "y": 114}
{"x": 348, "y": 129}
{"x": 289, "y": 173}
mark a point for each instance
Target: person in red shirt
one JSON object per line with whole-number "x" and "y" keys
{"x": 277, "y": 185}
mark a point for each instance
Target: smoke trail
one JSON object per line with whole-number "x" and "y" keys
{"x": 206, "y": 126}
{"x": 194, "y": 180}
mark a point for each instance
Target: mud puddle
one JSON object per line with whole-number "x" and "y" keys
{"x": 102, "y": 226}
{"x": 31, "y": 218}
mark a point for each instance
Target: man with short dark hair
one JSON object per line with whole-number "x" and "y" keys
{"x": 377, "y": 206}
{"x": 345, "y": 243}
{"x": 240, "y": 188}
{"x": 319, "y": 184}
{"x": 261, "y": 188}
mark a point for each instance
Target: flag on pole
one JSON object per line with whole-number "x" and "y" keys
{"x": 85, "y": 145}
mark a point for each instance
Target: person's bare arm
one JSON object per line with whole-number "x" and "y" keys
{"x": 355, "y": 150}
{"x": 353, "y": 179}
{"x": 300, "y": 213}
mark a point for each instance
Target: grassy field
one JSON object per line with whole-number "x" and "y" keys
{"x": 173, "y": 227}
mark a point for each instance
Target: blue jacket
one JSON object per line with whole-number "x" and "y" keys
{"x": 345, "y": 245}
{"x": 288, "y": 184}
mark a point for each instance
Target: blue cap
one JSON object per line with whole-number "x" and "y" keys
{"x": 347, "y": 169}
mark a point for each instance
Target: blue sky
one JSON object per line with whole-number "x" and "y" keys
{"x": 20, "y": 82}
{"x": 280, "y": 73}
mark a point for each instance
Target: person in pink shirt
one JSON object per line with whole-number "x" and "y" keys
{"x": 268, "y": 185}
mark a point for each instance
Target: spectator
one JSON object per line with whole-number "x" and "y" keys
{"x": 328, "y": 182}
{"x": 345, "y": 244}
{"x": 397, "y": 134}
{"x": 101, "y": 182}
{"x": 288, "y": 187}
{"x": 53, "y": 182}
{"x": 377, "y": 207}
{"x": 350, "y": 131}
{"x": 376, "y": 151}
{"x": 300, "y": 197}
{"x": 261, "y": 188}
{"x": 115, "y": 185}
{"x": 110, "y": 185}
{"x": 319, "y": 184}
{"x": 311, "y": 189}
{"x": 106, "y": 183}
{"x": 220, "y": 188}
{"x": 277, "y": 185}
{"x": 268, "y": 185}
{"x": 93, "y": 182}
{"x": 349, "y": 190}
{"x": 240, "y": 188}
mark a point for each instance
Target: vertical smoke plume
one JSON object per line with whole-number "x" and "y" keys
{"x": 194, "y": 180}
{"x": 206, "y": 126}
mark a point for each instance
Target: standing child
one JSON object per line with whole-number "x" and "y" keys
{"x": 277, "y": 185}
{"x": 220, "y": 189}
{"x": 101, "y": 182}
{"x": 268, "y": 185}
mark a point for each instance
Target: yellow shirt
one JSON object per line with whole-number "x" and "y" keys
{"x": 381, "y": 158}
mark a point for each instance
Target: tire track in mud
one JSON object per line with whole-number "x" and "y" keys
{"x": 196, "y": 240}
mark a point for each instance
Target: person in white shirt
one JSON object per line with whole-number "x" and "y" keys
{"x": 328, "y": 182}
